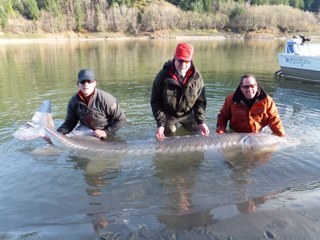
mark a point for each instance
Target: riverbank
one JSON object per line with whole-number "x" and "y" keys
{"x": 163, "y": 34}
{"x": 178, "y": 35}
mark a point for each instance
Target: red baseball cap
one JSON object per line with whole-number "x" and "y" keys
{"x": 184, "y": 51}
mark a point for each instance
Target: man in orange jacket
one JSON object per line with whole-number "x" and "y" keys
{"x": 249, "y": 109}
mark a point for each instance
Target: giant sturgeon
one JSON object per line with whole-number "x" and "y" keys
{"x": 42, "y": 125}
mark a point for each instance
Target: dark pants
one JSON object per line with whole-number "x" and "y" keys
{"x": 188, "y": 122}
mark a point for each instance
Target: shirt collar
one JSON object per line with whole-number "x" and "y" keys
{"x": 84, "y": 98}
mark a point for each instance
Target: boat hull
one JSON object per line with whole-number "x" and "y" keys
{"x": 300, "y": 67}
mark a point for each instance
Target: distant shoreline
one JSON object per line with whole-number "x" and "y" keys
{"x": 183, "y": 36}
{"x": 72, "y": 36}
{"x": 62, "y": 39}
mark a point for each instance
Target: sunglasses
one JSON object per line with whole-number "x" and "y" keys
{"x": 86, "y": 81}
{"x": 248, "y": 86}
{"x": 180, "y": 61}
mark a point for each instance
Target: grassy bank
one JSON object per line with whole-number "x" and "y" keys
{"x": 168, "y": 34}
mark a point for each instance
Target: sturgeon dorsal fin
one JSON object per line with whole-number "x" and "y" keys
{"x": 45, "y": 107}
{"x": 43, "y": 116}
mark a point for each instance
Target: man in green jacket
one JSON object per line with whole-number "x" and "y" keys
{"x": 178, "y": 95}
{"x": 93, "y": 108}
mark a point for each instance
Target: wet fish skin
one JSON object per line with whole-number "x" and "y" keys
{"x": 42, "y": 125}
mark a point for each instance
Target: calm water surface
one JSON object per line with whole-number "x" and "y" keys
{"x": 63, "y": 195}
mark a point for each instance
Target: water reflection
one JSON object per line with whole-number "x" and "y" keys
{"x": 241, "y": 163}
{"x": 98, "y": 171}
{"x": 252, "y": 205}
{"x": 178, "y": 175}
{"x": 242, "y": 166}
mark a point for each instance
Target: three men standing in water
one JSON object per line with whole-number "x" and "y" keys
{"x": 177, "y": 97}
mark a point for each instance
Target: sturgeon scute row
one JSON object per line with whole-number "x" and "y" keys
{"x": 42, "y": 125}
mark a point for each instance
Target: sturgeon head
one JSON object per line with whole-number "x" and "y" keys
{"x": 262, "y": 142}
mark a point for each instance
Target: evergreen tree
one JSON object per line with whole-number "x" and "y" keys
{"x": 307, "y": 5}
{"x": 51, "y": 6}
{"x": 297, "y": 3}
{"x": 259, "y": 2}
{"x": 17, "y": 5}
{"x": 3, "y": 16}
{"x": 79, "y": 15}
{"x": 31, "y": 9}
{"x": 194, "y": 5}
{"x": 207, "y": 5}
{"x": 278, "y": 2}
{"x": 316, "y": 6}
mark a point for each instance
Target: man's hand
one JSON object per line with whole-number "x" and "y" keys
{"x": 101, "y": 134}
{"x": 47, "y": 138}
{"x": 204, "y": 129}
{"x": 220, "y": 131}
{"x": 160, "y": 134}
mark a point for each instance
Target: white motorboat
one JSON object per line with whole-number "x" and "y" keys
{"x": 300, "y": 60}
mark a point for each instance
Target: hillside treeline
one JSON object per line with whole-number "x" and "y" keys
{"x": 140, "y": 16}
{"x": 209, "y": 5}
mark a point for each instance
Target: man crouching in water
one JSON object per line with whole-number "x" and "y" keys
{"x": 249, "y": 109}
{"x": 98, "y": 112}
{"x": 178, "y": 95}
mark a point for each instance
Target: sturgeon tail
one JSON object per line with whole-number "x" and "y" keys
{"x": 36, "y": 128}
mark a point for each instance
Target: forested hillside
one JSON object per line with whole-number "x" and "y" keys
{"x": 141, "y": 16}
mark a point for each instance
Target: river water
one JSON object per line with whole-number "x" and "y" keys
{"x": 64, "y": 195}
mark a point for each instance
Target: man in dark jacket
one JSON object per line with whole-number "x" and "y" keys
{"x": 178, "y": 95}
{"x": 93, "y": 108}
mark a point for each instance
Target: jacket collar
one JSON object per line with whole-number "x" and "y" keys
{"x": 172, "y": 72}
{"x": 84, "y": 99}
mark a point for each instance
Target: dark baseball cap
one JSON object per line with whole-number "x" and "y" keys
{"x": 86, "y": 74}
